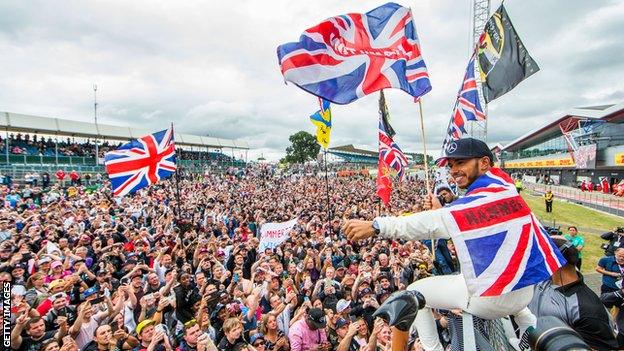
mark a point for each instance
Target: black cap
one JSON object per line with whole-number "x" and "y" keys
{"x": 316, "y": 317}
{"x": 341, "y": 322}
{"x": 364, "y": 292}
{"x": 466, "y": 148}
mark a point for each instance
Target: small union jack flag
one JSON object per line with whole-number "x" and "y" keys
{"x": 500, "y": 244}
{"x": 346, "y": 57}
{"x": 390, "y": 153}
{"x": 392, "y": 161}
{"x": 141, "y": 162}
{"x": 467, "y": 107}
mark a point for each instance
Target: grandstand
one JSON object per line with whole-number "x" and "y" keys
{"x": 352, "y": 154}
{"x": 46, "y": 144}
{"x": 586, "y": 143}
{"x": 362, "y": 156}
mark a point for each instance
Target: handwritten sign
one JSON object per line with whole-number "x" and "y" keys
{"x": 273, "y": 234}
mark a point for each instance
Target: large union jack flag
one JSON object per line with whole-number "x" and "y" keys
{"x": 500, "y": 243}
{"x": 349, "y": 56}
{"x": 141, "y": 162}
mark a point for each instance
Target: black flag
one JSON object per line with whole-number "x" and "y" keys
{"x": 385, "y": 116}
{"x": 502, "y": 58}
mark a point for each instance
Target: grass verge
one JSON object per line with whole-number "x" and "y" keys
{"x": 589, "y": 222}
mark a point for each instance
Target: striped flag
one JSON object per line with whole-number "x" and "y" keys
{"x": 392, "y": 161}
{"x": 500, "y": 244}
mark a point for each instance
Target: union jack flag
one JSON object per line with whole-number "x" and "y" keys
{"x": 500, "y": 243}
{"x": 390, "y": 153}
{"x": 467, "y": 107}
{"x": 346, "y": 57}
{"x": 141, "y": 162}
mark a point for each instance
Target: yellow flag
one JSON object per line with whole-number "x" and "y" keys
{"x": 322, "y": 120}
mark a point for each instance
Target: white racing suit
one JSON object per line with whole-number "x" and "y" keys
{"x": 450, "y": 291}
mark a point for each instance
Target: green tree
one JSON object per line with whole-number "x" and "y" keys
{"x": 303, "y": 148}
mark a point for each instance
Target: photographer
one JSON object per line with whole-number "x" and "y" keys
{"x": 566, "y": 297}
{"x": 612, "y": 269}
{"x": 616, "y": 239}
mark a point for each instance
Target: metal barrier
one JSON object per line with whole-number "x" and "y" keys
{"x": 46, "y": 160}
{"x": 597, "y": 200}
{"x": 18, "y": 170}
{"x": 489, "y": 335}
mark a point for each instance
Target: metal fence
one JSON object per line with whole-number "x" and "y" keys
{"x": 17, "y": 171}
{"x": 604, "y": 202}
{"x": 47, "y": 160}
{"x": 486, "y": 335}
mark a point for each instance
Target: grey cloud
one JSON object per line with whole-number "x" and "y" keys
{"x": 210, "y": 67}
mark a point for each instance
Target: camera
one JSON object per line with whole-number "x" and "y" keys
{"x": 552, "y": 334}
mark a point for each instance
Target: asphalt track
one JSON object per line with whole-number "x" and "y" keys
{"x": 608, "y": 203}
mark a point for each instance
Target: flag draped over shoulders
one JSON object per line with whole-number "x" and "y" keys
{"x": 500, "y": 244}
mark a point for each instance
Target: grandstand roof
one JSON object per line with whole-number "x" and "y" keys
{"x": 611, "y": 113}
{"x": 15, "y": 122}
{"x": 350, "y": 148}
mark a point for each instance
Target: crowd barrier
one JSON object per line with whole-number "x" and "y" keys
{"x": 598, "y": 200}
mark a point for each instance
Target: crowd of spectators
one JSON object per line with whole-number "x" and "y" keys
{"x": 93, "y": 272}
{"x": 35, "y": 145}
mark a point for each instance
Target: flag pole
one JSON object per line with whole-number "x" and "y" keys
{"x": 422, "y": 128}
{"x": 327, "y": 195}
{"x": 427, "y": 181}
{"x": 177, "y": 185}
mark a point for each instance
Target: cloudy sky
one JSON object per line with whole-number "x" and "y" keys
{"x": 210, "y": 66}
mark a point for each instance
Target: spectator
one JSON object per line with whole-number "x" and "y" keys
{"x": 273, "y": 338}
{"x": 611, "y": 268}
{"x": 74, "y": 177}
{"x": 233, "y": 334}
{"x": 45, "y": 180}
{"x": 105, "y": 339}
{"x": 60, "y": 177}
{"x": 308, "y": 333}
{"x": 566, "y": 297}
{"x": 577, "y": 240}
{"x": 36, "y": 332}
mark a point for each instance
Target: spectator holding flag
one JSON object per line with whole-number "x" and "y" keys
{"x": 493, "y": 249}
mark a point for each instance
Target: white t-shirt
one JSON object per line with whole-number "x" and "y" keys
{"x": 87, "y": 330}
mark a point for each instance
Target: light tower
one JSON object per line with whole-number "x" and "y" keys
{"x": 480, "y": 16}
{"x": 97, "y": 129}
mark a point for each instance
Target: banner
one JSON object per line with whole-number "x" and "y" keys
{"x": 549, "y": 163}
{"x": 619, "y": 159}
{"x": 585, "y": 157}
{"x": 273, "y": 234}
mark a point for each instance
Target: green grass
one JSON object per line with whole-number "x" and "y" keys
{"x": 589, "y": 222}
